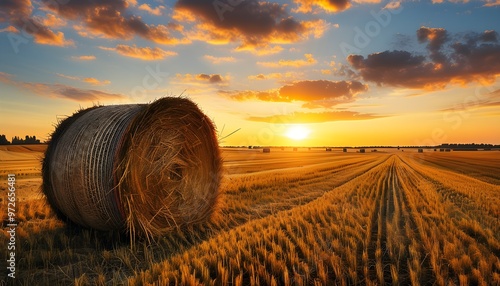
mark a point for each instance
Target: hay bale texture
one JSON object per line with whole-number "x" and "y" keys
{"x": 144, "y": 168}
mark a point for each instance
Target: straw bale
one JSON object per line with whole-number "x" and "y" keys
{"x": 144, "y": 168}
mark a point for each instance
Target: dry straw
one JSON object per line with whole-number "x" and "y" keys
{"x": 147, "y": 169}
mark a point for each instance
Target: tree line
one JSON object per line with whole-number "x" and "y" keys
{"x": 18, "y": 141}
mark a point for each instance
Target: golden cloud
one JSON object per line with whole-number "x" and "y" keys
{"x": 10, "y": 29}
{"x": 89, "y": 80}
{"x": 309, "y": 60}
{"x": 156, "y": 11}
{"x": 271, "y": 76}
{"x": 18, "y": 14}
{"x": 218, "y": 60}
{"x": 52, "y": 21}
{"x": 314, "y": 93}
{"x": 95, "y": 81}
{"x": 143, "y": 53}
{"x": 254, "y": 25}
{"x": 84, "y": 58}
{"x": 329, "y": 6}
{"x": 110, "y": 19}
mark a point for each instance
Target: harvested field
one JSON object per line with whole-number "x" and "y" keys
{"x": 299, "y": 218}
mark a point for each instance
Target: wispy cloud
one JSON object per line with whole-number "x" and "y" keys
{"x": 492, "y": 3}
{"x": 393, "y": 5}
{"x": 59, "y": 90}
{"x": 202, "y": 79}
{"x": 90, "y": 80}
{"x": 143, "y": 53}
{"x": 308, "y": 61}
{"x": 218, "y": 60}
{"x": 275, "y": 75}
{"x": 84, "y": 58}
{"x": 153, "y": 11}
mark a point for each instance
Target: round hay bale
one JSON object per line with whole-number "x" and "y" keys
{"x": 144, "y": 168}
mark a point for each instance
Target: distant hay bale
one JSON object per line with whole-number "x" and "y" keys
{"x": 362, "y": 150}
{"x": 344, "y": 150}
{"x": 420, "y": 150}
{"x": 143, "y": 168}
{"x": 266, "y": 150}
{"x": 294, "y": 149}
{"x": 328, "y": 149}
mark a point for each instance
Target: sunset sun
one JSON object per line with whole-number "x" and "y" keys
{"x": 297, "y": 132}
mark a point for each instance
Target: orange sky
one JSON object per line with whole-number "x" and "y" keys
{"x": 339, "y": 73}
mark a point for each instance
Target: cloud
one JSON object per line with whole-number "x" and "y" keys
{"x": 78, "y": 94}
{"x": 90, "y": 80}
{"x": 488, "y": 3}
{"x": 252, "y": 24}
{"x": 143, "y": 53}
{"x": 203, "y": 79}
{"x": 393, "y": 5}
{"x": 218, "y": 60}
{"x": 84, "y": 58}
{"x": 436, "y": 38}
{"x": 156, "y": 11}
{"x": 60, "y": 90}
{"x": 18, "y": 14}
{"x": 311, "y": 117}
{"x": 274, "y": 75}
{"x": 52, "y": 21}
{"x": 314, "y": 93}
{"x": 472, "y": 105}
{"x": 110, "y": 19}
{"x": 329, "y": 6}
{"x": 95, "y": 81}
{"x": 10, "y": 29}
{"x": 492, "y": 3}
{"x": 474, "y": 57}
{"x": 309, "y": 60}
{"x": 261, "y": 50}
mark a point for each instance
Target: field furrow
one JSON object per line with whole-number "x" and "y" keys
{"x": 485, "y": 170}
{"x": 333, "y": 219}
{"x": 455, "y": 256}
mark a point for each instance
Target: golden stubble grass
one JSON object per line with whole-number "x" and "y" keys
{"x": 366, "y": 219}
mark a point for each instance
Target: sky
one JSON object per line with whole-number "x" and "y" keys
{"x": 297, "y": 73}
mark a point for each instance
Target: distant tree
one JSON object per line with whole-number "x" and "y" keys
{"x": 27, "y": 140}
{"x": 16, "y": 140}
{"x": 3, "y": 140}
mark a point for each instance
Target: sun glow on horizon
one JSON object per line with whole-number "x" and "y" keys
{"x": 297, "y": 132}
